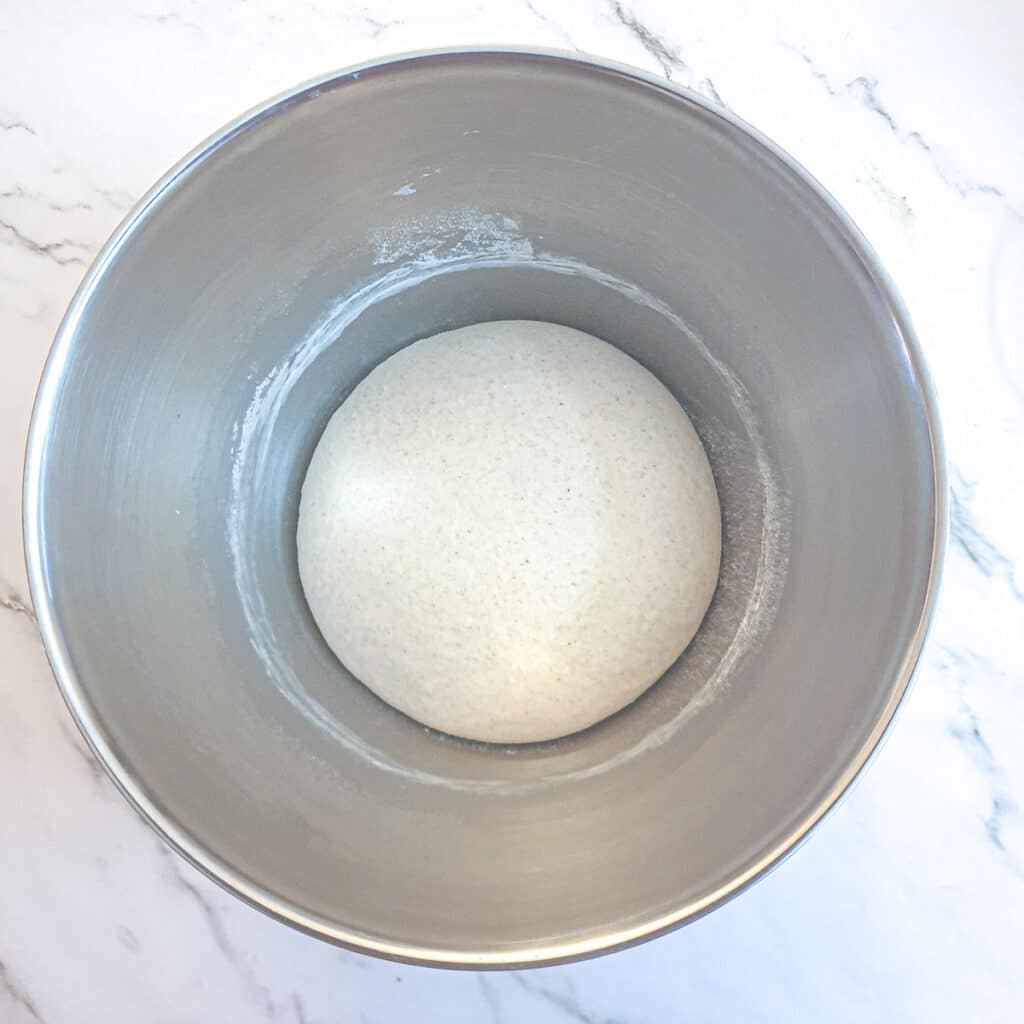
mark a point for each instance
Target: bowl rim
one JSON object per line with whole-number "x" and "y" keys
{"x": 173, "y": 832}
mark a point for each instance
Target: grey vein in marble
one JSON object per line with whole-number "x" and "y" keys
{"x": 117, "y": 199}
{"x": 967, "y": 731}
{"x": 212, "y": 915}
{"x": 899, "y": 205}
{"x": 16, "y": 994}
{"x": 95, "y": 769}
{"x": 56, "y": 251}
{"x": 128, "y": 938}
{"x": 972, "y": 541}
{"x": 666, "y": 56}
{"x": 16, "y": 126}
{"x": 12, "y": 601}
{"x": 300, "y": 1009}
{"x": 706, "y": 86}
{"x": 545, "y": 19}
{"x": 35, "y": 197}
{"x": 377, "y": 26}
{"x": 208, "y": 910}
{"x": 566, "y": 1001}
{"x": 491, "y": 998}
{"x": 171, "y": 18}
{"x": 863, "y": 89}
{"x": 37, "y": 313}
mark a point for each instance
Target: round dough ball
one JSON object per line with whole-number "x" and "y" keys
{"x": 509, "y": 531}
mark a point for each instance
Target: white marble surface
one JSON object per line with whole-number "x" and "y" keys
{"x": 908, "y": 903}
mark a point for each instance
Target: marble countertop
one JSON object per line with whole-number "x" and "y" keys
{"x": 908, "y": 903}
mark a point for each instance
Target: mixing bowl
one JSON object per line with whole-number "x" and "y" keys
{"x": 248, "y": 293}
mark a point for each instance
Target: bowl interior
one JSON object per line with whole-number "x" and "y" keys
{"x": 251, "y": 293}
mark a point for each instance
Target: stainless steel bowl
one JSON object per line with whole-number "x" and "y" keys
{"x": 246, "y": 295}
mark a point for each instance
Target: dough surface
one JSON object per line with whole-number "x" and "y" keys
{"x": 509, "y": 531}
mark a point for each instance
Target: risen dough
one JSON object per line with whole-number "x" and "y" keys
{"x": 509, "y": 531}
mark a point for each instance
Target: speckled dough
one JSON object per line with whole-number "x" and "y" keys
{"x": 509, "y": 531}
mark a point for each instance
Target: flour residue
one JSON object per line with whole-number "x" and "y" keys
{"x": 416, "y": 250}
{"x": 450, "y": 236}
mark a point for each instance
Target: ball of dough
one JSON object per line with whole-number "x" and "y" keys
{"x": 509, "y": 531}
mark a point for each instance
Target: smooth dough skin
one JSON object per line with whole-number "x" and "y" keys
{"x": 509, "y": 531}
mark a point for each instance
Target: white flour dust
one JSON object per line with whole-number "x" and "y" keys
{"x": 466, "y": 233}
{"x": 416, "y": 250}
